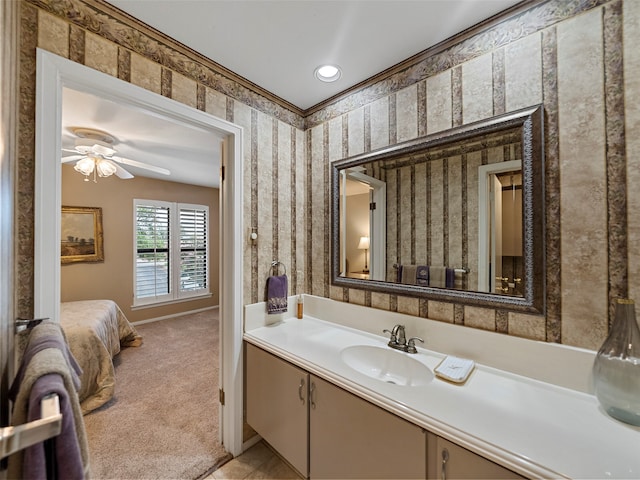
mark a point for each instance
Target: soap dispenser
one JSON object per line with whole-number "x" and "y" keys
{"x": 300, "y": 306}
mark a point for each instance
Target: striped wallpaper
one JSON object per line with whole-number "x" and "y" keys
{"x": 579, "y": 58}
{"x": 568, "y": 56}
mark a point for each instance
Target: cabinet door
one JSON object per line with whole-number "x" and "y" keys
{"x": 448, "y": 461}
{"x": 351, "y": 438}
{"x": 276, "y": 402}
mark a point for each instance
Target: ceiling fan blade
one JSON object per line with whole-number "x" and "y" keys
{"x": 121, "y": 172}
{"x": 72, "y": 158}
{"x": 133, "y": 163}
{"x": 70, "y": 150}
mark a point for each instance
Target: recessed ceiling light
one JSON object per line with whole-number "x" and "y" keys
{"x": 328, "y": 73}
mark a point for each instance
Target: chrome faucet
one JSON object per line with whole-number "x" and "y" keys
{"x": 401, "y": 339}
{"x": 398, "y": 340}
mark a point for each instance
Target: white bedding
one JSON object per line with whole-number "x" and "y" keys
{"x": 95, "y": 331}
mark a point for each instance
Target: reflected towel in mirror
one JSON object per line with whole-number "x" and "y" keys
{"x": 422, "y": 275}
{"x": 409, "y": 274}
{"x": 437, "y": 276}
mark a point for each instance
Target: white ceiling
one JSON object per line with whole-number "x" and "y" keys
{"x": 191, "y": 154}
{"x": 275, "y": 44}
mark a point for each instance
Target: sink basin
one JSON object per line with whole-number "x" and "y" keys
{"x": 387, "y": 365}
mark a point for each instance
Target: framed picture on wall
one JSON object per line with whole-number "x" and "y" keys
{"x": 81, "y": 235}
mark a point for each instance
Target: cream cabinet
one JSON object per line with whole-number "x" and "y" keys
{"x": 276, "y": 403}
{"x": 324, "y": 431}
{"x": 448, "y": 461}
{"x": 351, "y": 438}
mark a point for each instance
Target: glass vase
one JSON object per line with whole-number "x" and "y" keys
{"x": 616, "y": 369}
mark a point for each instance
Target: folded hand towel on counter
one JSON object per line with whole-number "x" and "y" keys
{"x": 277, "y": 292}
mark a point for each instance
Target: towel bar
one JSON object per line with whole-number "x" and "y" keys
{"x": 28, "y": 323}
{"x": 274, "y": 265}
{"x": 457, "y": 270}
{"x": 15, "y": 438}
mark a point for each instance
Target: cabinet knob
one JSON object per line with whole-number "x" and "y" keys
{"x": 300, "y": 392}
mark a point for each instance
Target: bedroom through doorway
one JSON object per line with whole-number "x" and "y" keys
{"x": 48, "y": 218}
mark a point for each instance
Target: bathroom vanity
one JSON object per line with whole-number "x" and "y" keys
{"x": 322, "y": 430}
{"x": 335, "y": 401}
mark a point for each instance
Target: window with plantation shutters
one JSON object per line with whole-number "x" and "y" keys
{"x": 171, "y": 251}
{"x": 193, "y": 249}
{"x": 152, "y": 252}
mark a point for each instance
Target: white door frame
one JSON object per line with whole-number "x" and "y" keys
{"x": 377, "y": 224}
{"x": 54, "y": 73}
{"x": 9, "y": 61}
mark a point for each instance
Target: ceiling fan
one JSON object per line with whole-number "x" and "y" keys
{"x": 94, "y": 154}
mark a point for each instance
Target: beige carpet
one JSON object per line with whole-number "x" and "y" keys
{"x": 163, "y": 421}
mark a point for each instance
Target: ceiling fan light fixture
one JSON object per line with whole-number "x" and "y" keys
{"x": 99, "y": 159}
{"x": 103, "y": 150}
{"x": 95, "y": 146}
{"x": 328, "y": 73}
{"x": 105, "y": 168}
{"x": 85, "y": 166}
{"x": 83, "y": 149}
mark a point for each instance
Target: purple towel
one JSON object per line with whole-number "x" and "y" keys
{"x": 277, "y": 292}
{"x": 65, "y": 460}
{"x": 47, "y": 355}
{"x": 37, "y": 344}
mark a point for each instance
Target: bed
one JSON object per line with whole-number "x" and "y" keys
{"x": 95, "y": 331}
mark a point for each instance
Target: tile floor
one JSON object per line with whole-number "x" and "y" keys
{"x": 259, "y": 462}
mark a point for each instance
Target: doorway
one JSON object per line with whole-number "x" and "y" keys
{"x": 499, "y": 234}
{"x": 363, "y": 228}
{"x": 55, "y": 73}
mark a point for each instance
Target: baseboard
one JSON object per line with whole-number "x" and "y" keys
{"x": 251, "y": 442}
{"x": 174, "y": 315}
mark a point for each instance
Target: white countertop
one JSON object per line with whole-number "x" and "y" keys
{"x": 533, "y": 428}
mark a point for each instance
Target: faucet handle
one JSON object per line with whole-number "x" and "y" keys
{"x": 411, "y": 344}
{"x": 393, "y": 335}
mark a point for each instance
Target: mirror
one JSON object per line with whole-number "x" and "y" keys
{"x": 457, "y": 215}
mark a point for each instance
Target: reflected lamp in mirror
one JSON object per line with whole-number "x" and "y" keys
{"x": 363, "y": 244}
{"x": 466, "y": 203}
